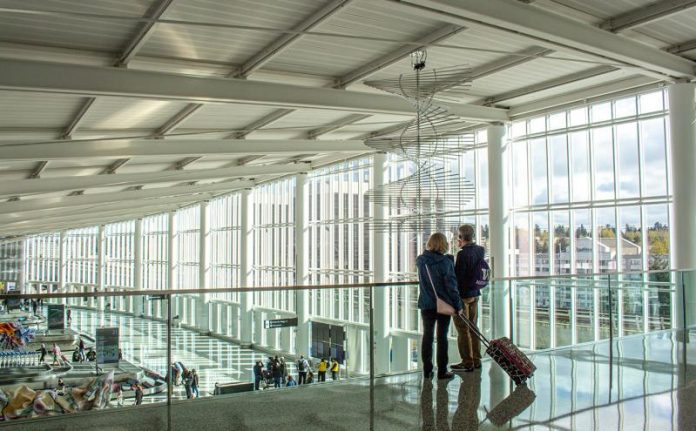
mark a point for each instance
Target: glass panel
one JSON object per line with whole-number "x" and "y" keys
{"x": 541, "y": 243}
{"x": 557, "y": 121}
{"x": 627, "y": 147}
{"x": 651, "y": 102}
{"x": 522, "y": 250}
{"x": 520, "y": 174}
{"x": 584, "y": 243}
{"x": 539, "y": 171}
{"x": 652, "y": 139}
{"x": 558, "y": 151}
{"x": 578, "y": 117}
{"x": 580, "y": 165}
{"x": 602, "y": 148}
{"x": 606, "y": 232}
{"x": 561, "y": 242}
{"x": 625, "y": 107}
{"x": 601, "y": 112}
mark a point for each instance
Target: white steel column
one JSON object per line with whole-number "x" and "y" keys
{"x": 172, "y": 253}
{"x": 682, "y": 115}
{"x": 202, "y": 305}
{"x": 138, "y": 301}
{"x": 22, "y": 267}
{"x": 302, "y": 342}
{"x": 380, "y": 268}
{"x": 62, "y": 262}
{"x": 101, "y": 262}
{"x": 246, "y": 264}
{"x": 498, "y": 222}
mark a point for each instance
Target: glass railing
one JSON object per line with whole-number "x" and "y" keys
{"x": 119, "y": 347}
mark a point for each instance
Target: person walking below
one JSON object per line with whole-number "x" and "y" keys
{"x": 321, "y": 368}
{"x": 334, "y": 369}
{"x": 258, "y": 374}
{"x": 188, "y": 381}
{"x": 302, "y": 368}
{"x": 138, "y": 394}
{"x": 42, "y": 353}
{"x": 283, "y": 370}
{"x": 437, "y": 281}
{"x": 194, "y": 383}
{"x": 82, "y": 350}
{"x": 275, "y": 372}
{"x": 466, "y": 267}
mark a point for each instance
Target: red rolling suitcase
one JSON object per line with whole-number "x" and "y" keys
{"x": 515, "y": 363}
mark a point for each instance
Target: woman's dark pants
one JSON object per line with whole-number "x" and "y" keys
{"x": 431, "y": 321}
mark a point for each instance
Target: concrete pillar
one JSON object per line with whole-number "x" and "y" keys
{"x": 380, "y": 269}
{"x": 246, "y": 265}
{"x": 138, "y": 301}
{"x": 498, "y": 224}
{"x": 202, "y": 304}
{"x": 101, "y": 263}
{"x": 302, "y": 342}
{"x": 172, "y": 252}
{"x": 682, "y": 126}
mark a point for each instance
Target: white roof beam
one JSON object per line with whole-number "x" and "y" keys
{"x": 145, "y": 31}
{"x": 261, "y": 122}
{"x": 38, "y": 169}
{"x": 177, "y": 119}
{"x": 181, "y": 164}
{"x": 66, "y": 184}
{"x": 124, "y": 149}
{"x": 77, "y": 119}
{"x": 50, "y": 77}
{"x": 580, "y": 95}
{"x": 560, "y": 31}
{"x": 552, "y": 83}
{"x": 285, "y": 40}
{"x": 52, "y": 213}
{"x": 336, "y": 125}
{"x": 510, "y": 61}
{"x": 114, "y": 166}
{"x": 646, "y": 14}
{"x": 202, "y": 191}
{"x": 689, "y": 45}
{"x": 383, "y": 61}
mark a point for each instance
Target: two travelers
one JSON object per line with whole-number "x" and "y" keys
{"x": 455, "y": 286}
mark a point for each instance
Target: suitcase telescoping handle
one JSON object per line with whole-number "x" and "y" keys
{"x": 472, "y": 326}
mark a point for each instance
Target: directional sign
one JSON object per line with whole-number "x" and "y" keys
{"x": 279, "y": 323}
{"x": 107, "y": 345}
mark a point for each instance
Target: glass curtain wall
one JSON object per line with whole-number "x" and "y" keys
{"x": 340, "y": 238}
{"x": 274, "y": 242}
{"x": 225, "y": 229}
{"x": 155, "y": 252}
{"x": 591, "y": 196}
{"x": 43, "y": 258}
{"x": 187, "y": 238}
{"x": 9, "y": 262}
{"x": 82, "y": 256}
{"x": 119, "y": 254}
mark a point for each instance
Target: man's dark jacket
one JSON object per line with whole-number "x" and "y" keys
{"x": 465, "y": 268}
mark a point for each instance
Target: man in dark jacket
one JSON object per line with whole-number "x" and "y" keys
{"x": 465, "y": 267}
{"x": 437, "y": 280}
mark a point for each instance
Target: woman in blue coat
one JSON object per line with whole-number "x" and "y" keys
{"x": 440, "y": 267}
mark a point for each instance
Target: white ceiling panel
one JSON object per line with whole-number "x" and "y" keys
{"x": 674, "y": 29}
{"x": 28, "y": 109}
{"x": 225, "y": 116}
{"x": 129, "y": 113}
{"x": 71, "y": 30}
{"x": 220, "y": 44}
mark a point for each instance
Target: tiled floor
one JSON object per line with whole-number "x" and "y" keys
{"x": 144, "y": 343}
{"x": 639, "y": 383}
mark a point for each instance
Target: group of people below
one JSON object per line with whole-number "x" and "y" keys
{"x": 453, "y": 280}
{"x": 186, "y": 377}
{"x": 276, "y": 372}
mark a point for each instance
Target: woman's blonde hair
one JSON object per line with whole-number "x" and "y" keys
{"x": 437, "y": 243}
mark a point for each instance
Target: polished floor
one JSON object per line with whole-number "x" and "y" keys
{"x": 638, "y": 383}
{"x": 144, "y": 343}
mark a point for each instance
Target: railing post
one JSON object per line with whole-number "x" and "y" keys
{"x": 170, "y": 383}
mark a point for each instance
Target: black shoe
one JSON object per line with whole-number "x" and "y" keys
{"x": 459, "y": 366}
{"x": 469, "y": 369}
{"x": 445, "y": 376}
